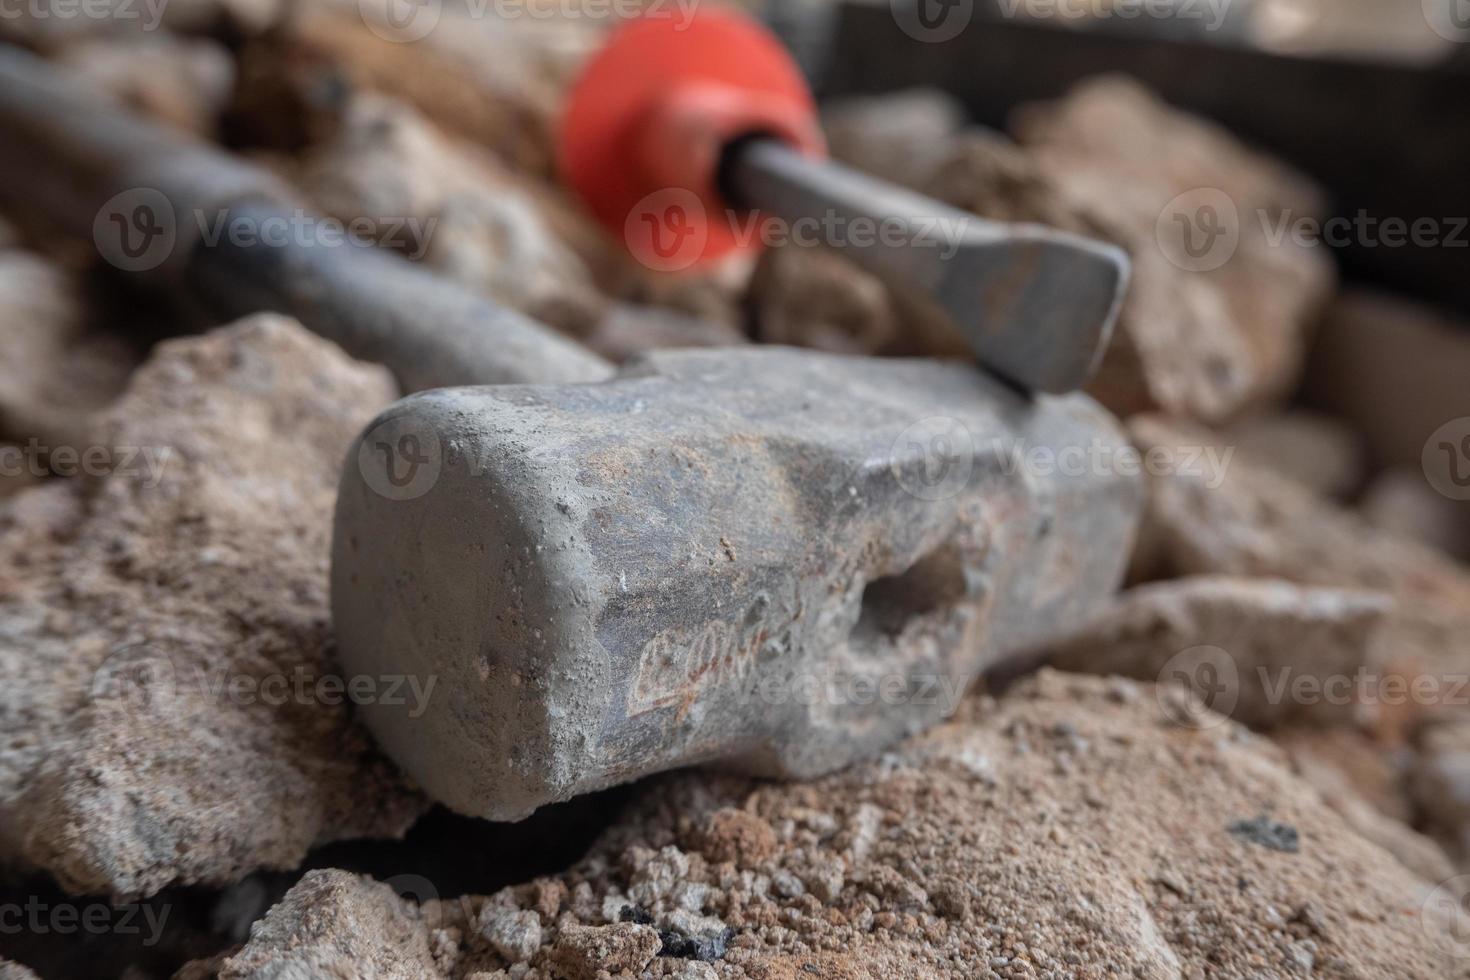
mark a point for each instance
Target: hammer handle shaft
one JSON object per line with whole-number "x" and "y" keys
{"x": 68, "y": 153}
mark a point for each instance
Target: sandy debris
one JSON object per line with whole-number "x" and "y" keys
{"x": 1070, "y": 829}
{"x": 164, "y": 629}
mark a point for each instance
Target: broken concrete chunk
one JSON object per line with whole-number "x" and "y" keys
{"x": 1098, "y": 847}
{"x": 173, "y": 713}
{"x": 1402, "y": 502}
{"x": 496, "y": 81}
{"x": 1362, "y": 779}
{"x": 1440, "y": 783}
{"x": 897, "y": 136}
{"x": 1264, "y": 652}
{"x": 1206, "y": 333}
{"x": 1237, "y": 518}
{"x": 1320, "y": 452}
{"x": 395, "y": 176}
{"x": 335, "y": 924}
{"x": 1395, "y": 369}
{"x": 587, "y": 952}
{"x": 810, "y": 297}
{"x": 184, "y": 82}
{"x": 773, "y": 559}
{"x": 56, "y": 372}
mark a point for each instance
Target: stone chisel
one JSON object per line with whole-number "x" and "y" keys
{"x": 692, "y": 140}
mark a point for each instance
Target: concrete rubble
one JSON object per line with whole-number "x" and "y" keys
{"x": 1068, "y": 828}
{"x": 164, "y": 630}
{"x": 57, "y": 369}
{"x": 1151, "y": 796}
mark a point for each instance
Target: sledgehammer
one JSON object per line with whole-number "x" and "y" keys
{"x": 774, "y": 560}
{"x": 692, "y": 139}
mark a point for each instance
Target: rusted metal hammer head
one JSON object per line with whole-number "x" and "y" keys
{"x": 775, "y": 560}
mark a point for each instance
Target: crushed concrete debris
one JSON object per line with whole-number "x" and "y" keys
{"x": 164, "y": 632}
{"x": 1096, "y": 849}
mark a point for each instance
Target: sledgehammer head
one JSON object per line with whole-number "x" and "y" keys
{"x": 773, "y": 560}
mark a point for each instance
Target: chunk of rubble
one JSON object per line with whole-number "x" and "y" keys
{"x": 1204, "y": 334}
{"x": 416, "y": 190}
{"x": 56, "y": 372}
{"x": 184, "y": 82}
{"x": 1440, "y": 784}
{"x": 14, "y": 971}
{"x": 334, "y": 924}
{"x": 172, "y": 712}
{"x": 1402, "y": 502}
{"x": 1362, "y": 779}
{"x": 1069, "y": 829}
{"x": 811, "y": 297}
{"x": 1395, "y": 370}
{"x": 1318, "y": 451}
{"x": 897, "y": 136}
{"x": 1264, "y": 652}
{"x": 1245, "y": 520}
{"x": 496, "y": 81}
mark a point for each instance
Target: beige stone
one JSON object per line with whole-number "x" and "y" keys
{"x": 1262, "y": 651}
{"x": 173, "y": 713}
{"x": 184, "y": 82}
